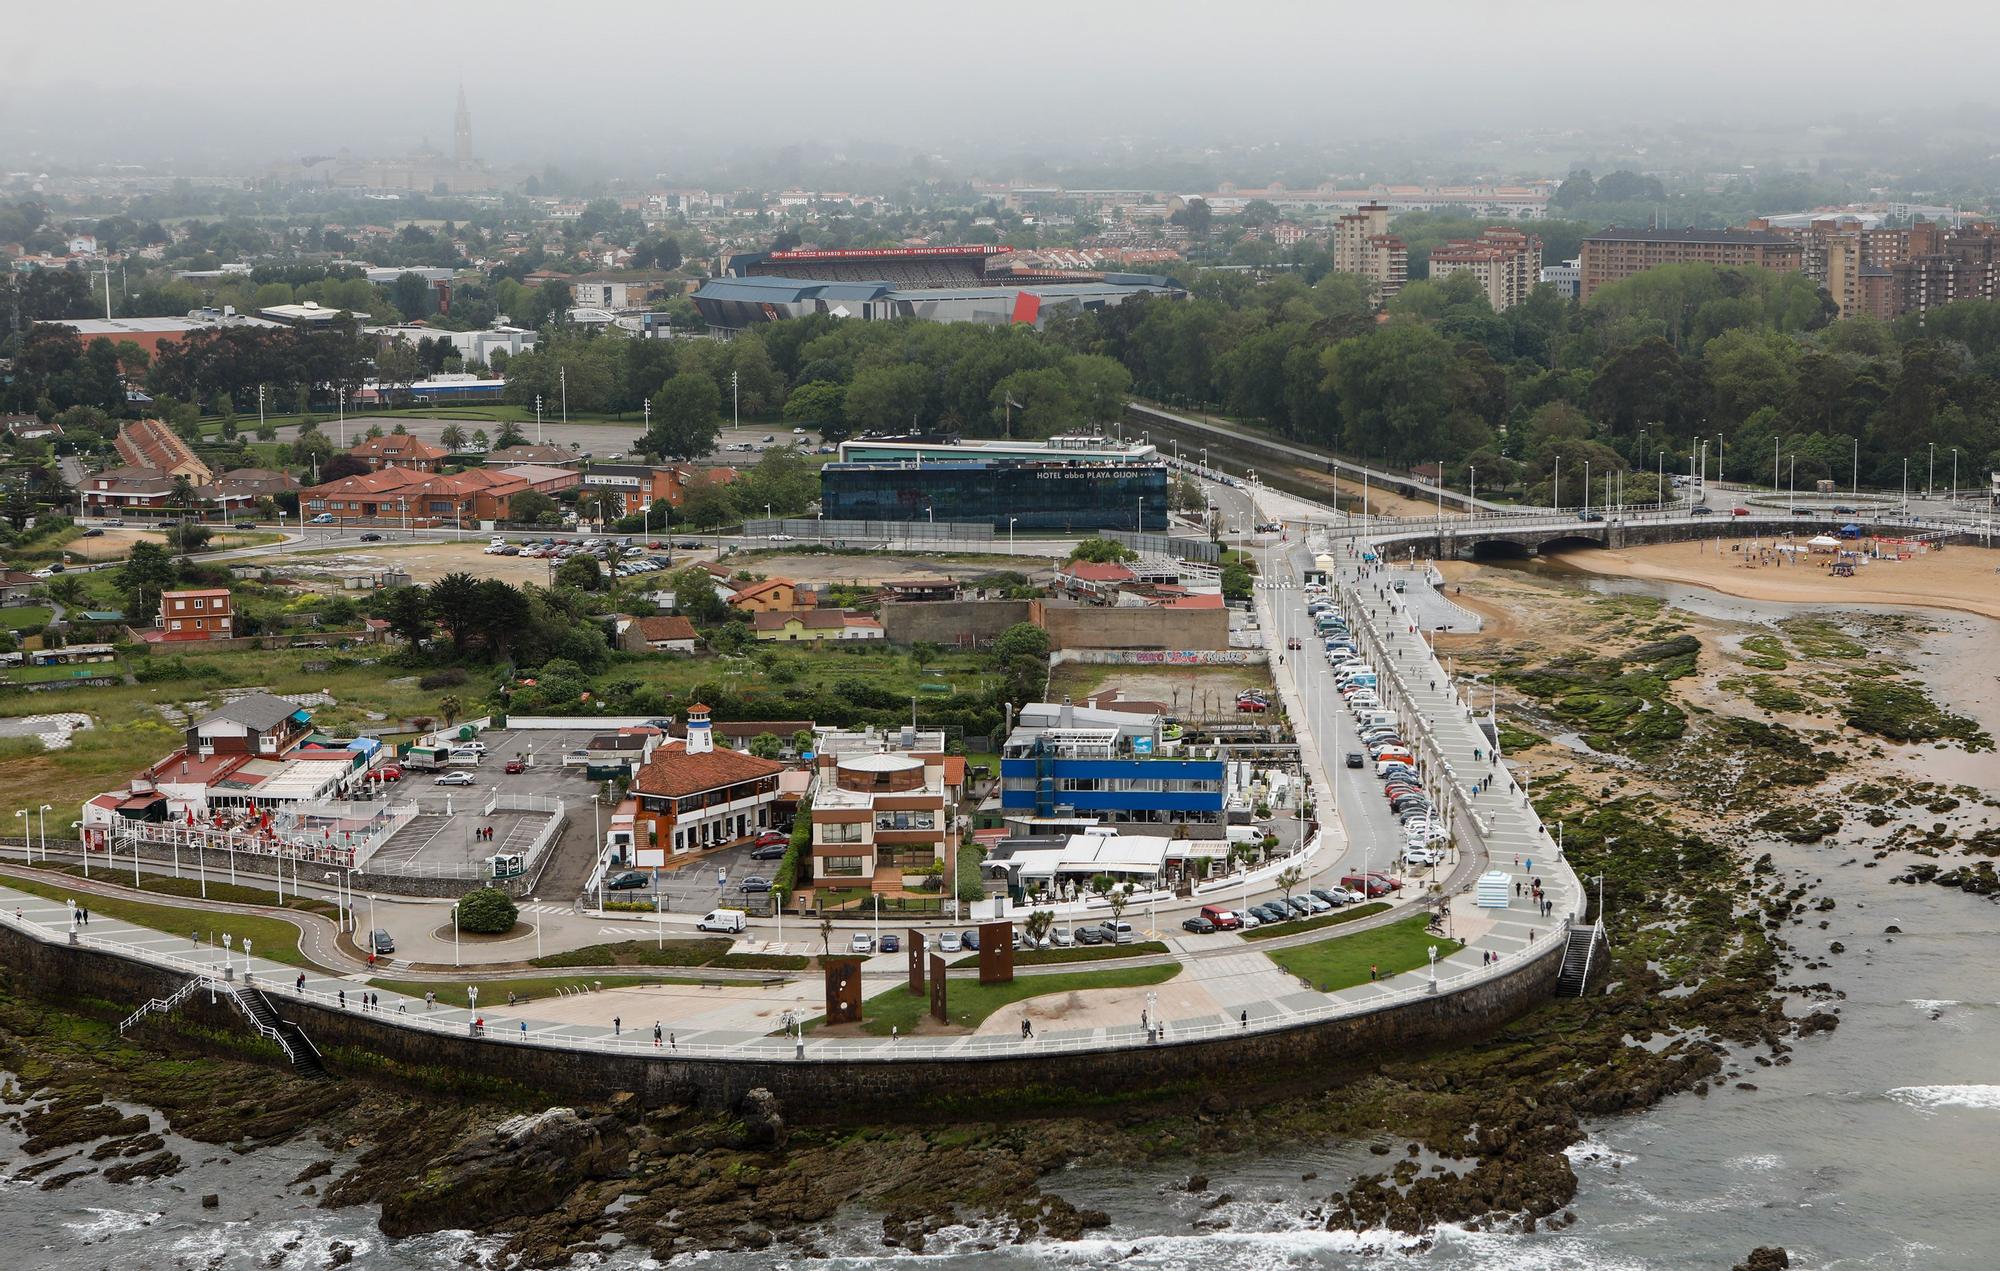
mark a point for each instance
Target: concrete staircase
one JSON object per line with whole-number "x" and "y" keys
{"x": 298, "y": 1047}
{"x": 1579, "y": 955}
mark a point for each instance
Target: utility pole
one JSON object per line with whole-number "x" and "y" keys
{"x": 538, "y": 419}
{"x": 562, "y": 378}
{"x": 735, "y": 403}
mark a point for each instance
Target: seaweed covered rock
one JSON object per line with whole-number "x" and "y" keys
{"x": 524, "y": 1165}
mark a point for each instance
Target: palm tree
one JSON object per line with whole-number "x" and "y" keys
{"x": 825, "y": 936}
{"x": 1289, "y": 877}
{"x": 449, "y": 706}
{"x": 453, "y": 437}
{"x": 1037, "y": 925}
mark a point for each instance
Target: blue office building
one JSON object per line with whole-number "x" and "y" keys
{"x": 1090, "y": 771}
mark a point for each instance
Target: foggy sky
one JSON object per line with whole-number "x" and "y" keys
{"x": 648, "y": 86}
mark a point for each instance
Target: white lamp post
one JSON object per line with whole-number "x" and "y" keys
{"x": 42, "y": 828}
{"x": 27, "y": 840}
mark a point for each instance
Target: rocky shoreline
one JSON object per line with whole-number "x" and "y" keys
{"x": 1476, "y": 1135}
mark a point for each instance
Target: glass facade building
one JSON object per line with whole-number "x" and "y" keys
{"x": 1034, "y": 496}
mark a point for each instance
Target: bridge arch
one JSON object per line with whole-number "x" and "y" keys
{"x": 1559, "y": 543}
{"x": 1499, "y": 549}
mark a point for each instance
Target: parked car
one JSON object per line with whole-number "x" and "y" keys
{"x": 859, "y": 944}
{"x": 476, "y": 747}
{"x": 1058, "y": 938}
{"x": 948, "y": 942}
{"x": 770, "y": 851}
{"x": 514, "y": 767}
{"x": 454, "y": 779}
{"x": 324, "y": 518}
{"x": 970, "y": 939}
{"x": 891, "y": 944}
{"x": 1252, "y": 705}
{"x": 630, "y": 880}
{"x": 119, "y": 522}
{"x": 1333, "y": 898}
{"x": 387, "y": 772}
{"x": 1198, "y": 925}
{"x": 92, "y": 533}
{"x": 754, "y": 883}
{"x": 1089, "y": 935}
{"x": 371, "y": 538}
{"x": 768, "y": 837}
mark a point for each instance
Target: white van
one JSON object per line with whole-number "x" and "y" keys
{"x": 732, "y": 921}
{"x": 1376, "y": 719}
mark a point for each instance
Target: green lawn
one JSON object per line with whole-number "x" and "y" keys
{"x": 970, "y": 1002}
{"x": 1344, "y": 961}
{"x": 771, "y": 669}
{"x": 21, "y": 617}
{"x": 274, "y": 938}
{"x": 190, "y": 888}
{"x": 50, "y": 674}
{"x": 493, "y": 993}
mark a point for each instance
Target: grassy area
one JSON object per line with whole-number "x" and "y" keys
{"x": 21, "y": 617}
{"x": 712, "y": 952}
{"x": 970, "y": 1002}
{"x": 494, "y": 992}
{"x": 1076, "y": 953}
{"x": 1344, "y": 961}
{"x": 50, "y": 674}
{"x": 273, "y": 938}
{"x": 190, "y": 888}
{"x": 1333, "y": 919}
{"x": 773, "y": 669}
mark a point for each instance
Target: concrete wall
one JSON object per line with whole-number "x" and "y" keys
{"x": 1091, "y": 627}
{"x": 1312, "y": 1055}
{"x": 952, "y": 622}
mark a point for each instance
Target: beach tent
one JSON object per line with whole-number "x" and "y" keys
{"x": 1850, "y": 531}
{"x": 1823, "y": 543}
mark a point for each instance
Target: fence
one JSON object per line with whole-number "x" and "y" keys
{"x": 864, "y": 533}
{"x": 1170, "y": 545}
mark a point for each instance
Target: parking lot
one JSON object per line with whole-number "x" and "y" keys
{"x": 697, "y": 886}
{"x": 444, "y": 838}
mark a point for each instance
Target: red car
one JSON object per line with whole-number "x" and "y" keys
{"x": 514, "y": 766}
{"x": 654, "y": 547}
{"x": 1252, "y": 705}
{"x": 1739, "y": 511}
{"x": 771, "y": 838}
{"x": 388, "y": 772}
{"x": 1294, "y": 643}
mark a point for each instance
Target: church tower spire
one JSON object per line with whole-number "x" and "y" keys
{"x": 462, "y": 132}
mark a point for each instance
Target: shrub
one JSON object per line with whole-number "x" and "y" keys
{"x": 487, "y": 911}
{"x": 447, "y": 678}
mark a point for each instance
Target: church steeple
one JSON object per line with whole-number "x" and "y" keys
{"x": 462, "y": 132}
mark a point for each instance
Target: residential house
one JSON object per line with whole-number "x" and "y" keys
{"x": 658, "y": 635}
{"x": 259, "y": 724}
{"x": 816, "y": 624}
{"x": 884, "y": 805}
{"x": 771, "y": 595}
{"x": 404, "y": 496}
{"x": 242, "y": 487}
{"x": 17, "y": 588}
{"x": 397, "y": 451}
{"x": 115, "y": 491}
{"x": 150, "y": 443}
{"x": 692, "y": 796}
{"x": 530, "y": 452}
{"x": 631, "y": 488}
{"x": 203, "y": 613}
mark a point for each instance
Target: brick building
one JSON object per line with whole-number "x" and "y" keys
{"x": 393, "y": 451}
{"x": 150, "y": 443}
{"x": 1363, "y": 245}
{"x": 1506, "y": 263}
{"x": 692, "y": 796}
{"x": 1616, "y": 254}
{"x": 206, "y": 613}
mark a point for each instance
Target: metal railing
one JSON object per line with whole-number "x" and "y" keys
{"x": 158, "y": 1006}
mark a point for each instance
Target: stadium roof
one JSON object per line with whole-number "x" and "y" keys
{"x": 893, "y": 253}
{"x": 771, "y": 289}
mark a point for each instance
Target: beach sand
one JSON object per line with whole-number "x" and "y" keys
{"x": 1962, "y": 578}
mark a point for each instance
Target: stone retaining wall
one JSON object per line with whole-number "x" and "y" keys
{"x": 837, "y": 1089}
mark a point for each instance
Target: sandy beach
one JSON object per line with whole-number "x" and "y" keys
{"x": 1962, "y": 578}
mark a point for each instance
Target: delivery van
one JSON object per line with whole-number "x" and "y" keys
{"x": 732, "y": 921}
{"x": 1222, "y": 916}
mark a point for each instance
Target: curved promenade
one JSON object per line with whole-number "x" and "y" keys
{"x": 1462, "y": 995}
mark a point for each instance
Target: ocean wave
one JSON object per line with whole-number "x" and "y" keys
{"x": 1927, "y": 1006}
{"x": 104, "y": 1223}
{"x": 1507, "y": 1251}
{"x": 1592, "y": 1152}
{"x": 1758, "y": 1161}
{"x": 1932, "y": 1098}
{"x": 1219, "y": 1250}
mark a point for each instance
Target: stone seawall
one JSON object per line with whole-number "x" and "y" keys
{"x": 1309, "y": 1055}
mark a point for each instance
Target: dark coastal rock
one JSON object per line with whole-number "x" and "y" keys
{"x": 211, "y": 1201}
{"x": 1197, "y": 1182}
{"x": 158, "y": 1165}
{"x": 1765, "y": 1258}
{"x": 77, "y": 1118}
{"x": 1818, "y": 1022}
{"x": 760, "y": 1122}
{"x": 525, "y": 1165}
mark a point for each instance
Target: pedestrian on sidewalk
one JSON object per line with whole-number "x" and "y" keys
{"x": 617, "y": 1025}
{"x": 1373, "y": 971}
{"x": 1244, "y": 1019}
{"x": 343, "y": 999}
{"x": 656, "y": 1034}
{"x": 1517, "y": 888}
{"x": 430, "y": 999}
{"x": 300, "y": 983}
{"x": 86, "y": 915}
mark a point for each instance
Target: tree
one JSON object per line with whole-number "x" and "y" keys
{"x": 686, "y": 418}
{"x": 803, "y": 741}
{"x": 1038, "y": 924}
{"x": 407, "y": 611}
{"x": 1197, "y": 217}
{"x": 397, "y": 367}
{"x": 767, "y": 746}
{"x": 1118, "y": 897}
{"x": 1237, "y": 582}
{"x": 450, "y": 707}
{"x": 1022, "y": 640}
{"x": 452, "y": 437}
{"x": 1100, "y": 551}
{"x": 581, "y": 572}
{"x": 184, "y": 538}
{"x": 411, "y": 295}
{"x": 487, "y": 911}
{"x": 1288, "y": 878}
{"x": 820, "y": 406}
{"x": 825, "y": 936}
{"x": 923, "y": 653}
{"x": 694, "y": 596}
{"x": 532, "y": 507}
{"x": 147, "y": 571}
{"x": 455, "y": 600}
{"x": 886, "y": 397}
{"x": 66, "y": 590}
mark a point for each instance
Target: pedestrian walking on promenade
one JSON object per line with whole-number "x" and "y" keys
{"x": 343, "y": 999}
{"x": 656, "y": 1034}
{"x": 430, "y": 999}
{"x": 1244, "y": 1019}
{"x": 617, "y": 1025}
{"x": 524, "y": 1030}
{"x": 300, "y": 983}
{"x": 1373, "y": 971}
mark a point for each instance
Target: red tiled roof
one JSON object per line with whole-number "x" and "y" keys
{"x": 954, "y": 770}
{"x": 805, "y": 617}
{"x": 391, "y": 446}
{"x": 668, "y": 628}
{"x": 1098, "y": 571}
{"x": 1200, "y": 600}
{"x": 674, "y": 772}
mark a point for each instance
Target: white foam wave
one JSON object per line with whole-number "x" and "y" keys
{"x": 1759, "y": 1161}
{"x": 1592, "y": 1152}
{"x": 1507, "y": 1251}
{"x": 1224, "y": 1248}
{"x": 1930, "y": 1006}
{"x": 112, "y": 1222}
{"x": 1932, "y": 1098}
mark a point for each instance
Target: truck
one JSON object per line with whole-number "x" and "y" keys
{"x": 732, "y": 921}
{"x": 430, "y": 758}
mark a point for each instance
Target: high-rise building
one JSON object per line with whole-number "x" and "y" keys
{"x": 1616, "y": 254}
{"x": 461, "y": 148}
{"x": 1565, "y": 276}
{"x": 1506, "y": 263}
{"x": 1363, "y": 245}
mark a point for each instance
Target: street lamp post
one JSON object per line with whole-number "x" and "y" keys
{"x": 42, "y": 827}
{"x": 538, "y": 419}
{"x": 1010, "y": 534}
{"x": 343, "y": 419}
{"x": 76, "y": 828}
{"x": 27, "y": 841}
